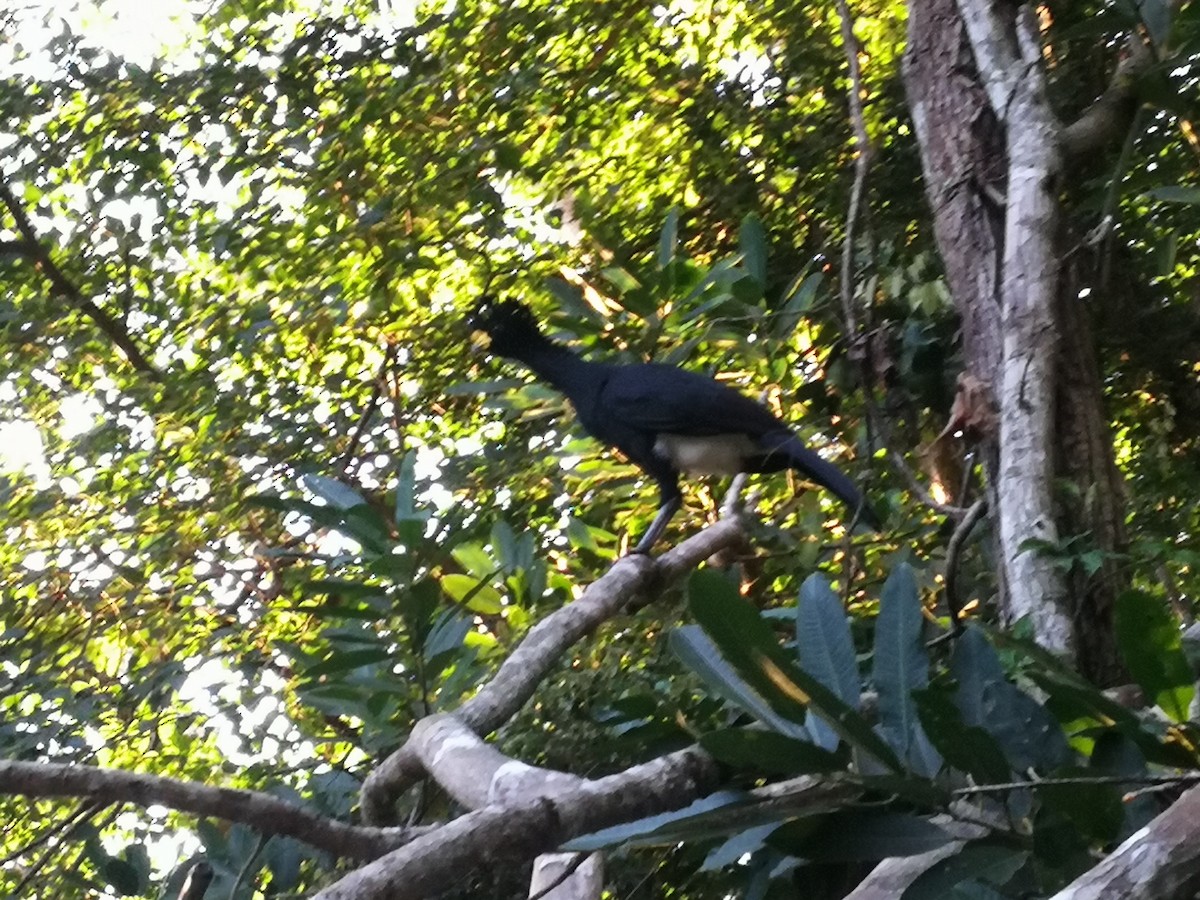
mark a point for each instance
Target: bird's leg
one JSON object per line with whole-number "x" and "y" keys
{"x": 668, "y": 506}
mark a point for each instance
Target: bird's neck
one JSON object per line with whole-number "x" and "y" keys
{"x": 559, "y": 366}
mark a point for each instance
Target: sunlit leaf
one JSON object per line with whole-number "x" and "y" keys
{"x": 1152, "y": 648}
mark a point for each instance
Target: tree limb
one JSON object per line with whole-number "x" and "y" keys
{"x": 629, "y": 584}
{"x": 263, "y": 812}
{"x": 1008, "y": 55}
{"x": 498, "y": 835}
{"x": 35, "y": 250}
{"x": 1158, "y": 862}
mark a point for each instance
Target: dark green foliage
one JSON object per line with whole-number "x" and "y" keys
{"x": 985, "y": 726}
{"x": 327, "y": 517}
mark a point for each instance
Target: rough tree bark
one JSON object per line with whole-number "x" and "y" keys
{"x": 991, "y": 152}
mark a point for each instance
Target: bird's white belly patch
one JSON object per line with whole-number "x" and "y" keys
{"x": 717, "y": 454}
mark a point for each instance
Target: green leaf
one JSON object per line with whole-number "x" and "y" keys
{"x": 1096, "y": 810}
{"x": 475, "y": 559}
{"x": 1150, "y": 643}
{"x": 1071, "y": 699}
{"x": 749, "y": 645}
{"x": 504, "y": 544}
{"x": 1156, "y": 15}
{"x": 902, "y": 667}
{"x": 410, "y": 521}
{"x": 1029, "y": 736}
{"x": 621, "y": 279}
{"x": 122, "y": 877}
{"x": 987, "y": 861}
{"x": 367, "y": 527}
{"x": 579, "y": 535}
{"x": 418, "y": 603}
{"x": 797, "y": 300}
{"x": 359, "y": 522}
{"x": 668, "y": 239}
{"x": 860, "y": 836}
{"x": 967, "y": 748}
{"x": 722, "y": 274}
{"x": 476, "y": 595}
{"x": 333, "y": 492}
{"x": 447, "y": 635}
{"x": 701, "y": 818}
{"x": 730, "y": 852}
{"x": 1176, "y": 194}
{"x": 826, "y": 649}
{"x": 283, "y": 856}
{"x": 766, "y": 751}
{"x": 697, "y": 651}
{"x": 752, "y": 240}
{"x": 346, "y": 660}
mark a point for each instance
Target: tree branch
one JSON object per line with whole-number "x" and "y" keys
{"x": 953, "y": 551}
{"x": 533, "y": 811}
{"x": 1110, "y": 116}
{"x": 501, "y": 834}
{"x": 260, "y": 811}
{"x": 629, "y": 584}
{"x": 1158, "y": 862}
{"x": 35, "y": 250}
{"x": 1008, "y": 55}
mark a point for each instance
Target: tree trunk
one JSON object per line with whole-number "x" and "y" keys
{"x": 1096, "y": 505}
{"x": 990, "y": 151}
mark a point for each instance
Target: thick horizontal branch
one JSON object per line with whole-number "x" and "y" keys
{"x": 630, "y": 583}
{"x": 32, "y": 247}
{"x": 262, "y": 812}
{"x": 1158, "y": 862}
{"x": 501, "y": 835}
{"x": 534, "y": 811}
{"x": 474, "y": 772}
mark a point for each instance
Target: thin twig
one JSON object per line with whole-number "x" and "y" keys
{"x": 44, "y": 858}
{"x": 1161, "y": 780}
{"x": 953, "y": 551}
{"x": 364, "y": 420}
{"x": 67, "y": 825}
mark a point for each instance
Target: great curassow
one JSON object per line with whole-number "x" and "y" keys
{"x": 665, "y": 420}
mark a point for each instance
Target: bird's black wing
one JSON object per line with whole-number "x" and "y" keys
{"x": 665, "y": 399}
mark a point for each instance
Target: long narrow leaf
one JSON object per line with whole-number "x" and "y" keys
{"x": 902, "y": 667}
{"x": 697, "y": 651}
{"x": 668, "y": 238}
{"x": 748, "y": 643}
{"x": 752, "y": 240}
{"x": 826, "y": 650}
{"x": 1028, "y": 734}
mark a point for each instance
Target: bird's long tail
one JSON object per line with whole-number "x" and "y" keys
{"x": 825, "y": 474}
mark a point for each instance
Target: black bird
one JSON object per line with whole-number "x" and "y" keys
{"x": 664, "y": 419}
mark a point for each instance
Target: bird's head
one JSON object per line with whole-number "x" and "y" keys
{"x": 509, "y": 325}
